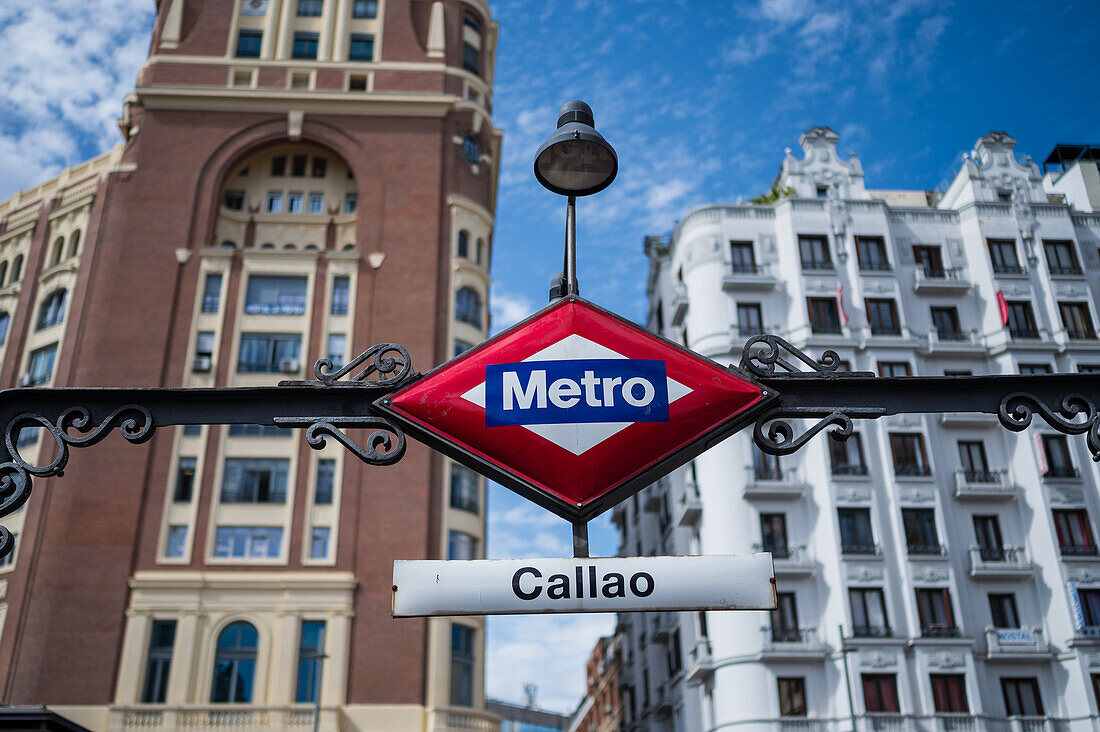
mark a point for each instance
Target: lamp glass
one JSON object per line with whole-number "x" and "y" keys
{"x": 576, "y": 165}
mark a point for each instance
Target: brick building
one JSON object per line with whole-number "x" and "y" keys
{"x": 298, "y": 179}
{"x": 601, "y": 710}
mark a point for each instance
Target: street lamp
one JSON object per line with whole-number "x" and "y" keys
{"x": 574, "y": 161}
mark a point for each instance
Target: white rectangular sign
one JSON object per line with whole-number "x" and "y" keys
{"x": 596, "y": 585}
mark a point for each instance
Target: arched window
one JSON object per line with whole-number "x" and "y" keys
{"x": 468, "y": 306}
{"x": 58, "y": 250}
{"x": 3, "y": 273}
{"x": 235, "y": 664}
{"x": 52, "y": 310}
{"x": 464, "y": 244}
{"x": 5, "y": 321}
{"x": 480, "y": 250}
{"x": 74, "y": 243}
{"x": 16, "y": 268}
{"x": 227, "y": 244}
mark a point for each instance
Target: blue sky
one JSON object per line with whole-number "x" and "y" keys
{"x": 699, "y": 99}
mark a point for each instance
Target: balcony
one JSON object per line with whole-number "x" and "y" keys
{"x": 860, "y": 551}
{"x": 940, "y": 631}
{"x": 651, "y": 497}
{"x": 952, "y": 343}
{"x": 1070, "y": 270}
{"x": 1088, "y": 635}
{"x": 1025, "y": 334}
{"x": 791, "y": 644}
{"x": 679, "y": 306}
{"x": 817, "y": 266}
{"x": 872, "y": 631}
{"x": 700, "y": 663}
{"x": 241, "y": 718}
{"x": 749, "y": 277}
{"x": 927, "y": 551}
{"x": 1062, "y": 472}
{"x": 949, "y": 722}
{"x": 766, "y": 482}
{"x": 452, "y": 719}
{"x": 1075, "y": 334}
{"x": 912, "y": 470}
{"x": 888, "y": 722}
{"x": 1016, "y": 644}
{"x": 690, "y": 507}
{"x": 790, "y": 561}
{"x": 983, "y": 484}
{"x": 1032, "y": 724}
{"x": 940, "y": 281}
{"x": 1009, "y": 270}
{"x": 968, "y": 419}
{"x": 845, "y": 471}
{"x": 663, "y": 625}
{"x": 1008, "y": 562}
{"x": 1078, "y": 551}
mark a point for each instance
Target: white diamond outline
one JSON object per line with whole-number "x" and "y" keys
{"x": 577, "y": 437}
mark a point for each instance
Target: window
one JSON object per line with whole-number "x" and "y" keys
{"x": 212, "y": 293}
{"x": 185, "y": 480}
{"x": 278, "y": 166}
{"x": 792, "y": 696}
{"x": 1061, "y": 258}
{"x": 765, "y": 467}
{"x": 255, "y": 480}
{"x": 930, "y": 259}
{"x": 204, "y": 351}
{"x": 326, "y": 482}
{"x": 258, "y": 430}
{"x": 274, "y": 202}
{"x": 934, "y": 609}
{"x": 40, "y": 365}
{"x": 305, "y": 45}
{"x": 461, "y": 545}
{"x": 351, "y": 202}
{"x": 1035, "y": 368}
{"x": 880, "y": 692}
{"x": 340, "y": 291}
{"x": 16, "y": 268}
{"x": 249, "y": 43}
{"x": 1056, "y": 455}
{"x": 1074, "y": 533}
{"x": 742, "y": 259}
{"x": 275, "y": 295}
{"x": 462, "y": 665}
{"x": 294, "y": 202}
{"x": 311, "y": 651}
{"x": 176, "y": 542}
{"x": 158, "y": 661}
{"x": 949, "y": 694}
{"x": 269, "y": 352}
{"x": 74, "y": 244}
{"x": 882, "y": 314}
{"x": 470, "y": 58}
{"x": 974, "y": 465}
{"x": 921, "y": 536}
{"x": 871, "y": 253}
{"x": 357, "y": 82}
{"x": 846, "y": 458}
{"x": 1077, "y": 320}
{"x": 824, "y": 315}
{"x": 856, "y": 536}
{"x": 235, "y": 664}
{"x": 192, "y": 430}
{"x": 1022, "y": 697}
{"x": 298, "y": 165}
{"x": 251, "y": 542}
{"x": 909, "y": 456}
{"x": 319, "y": 167}
{"x": 814, "y": 252}
{"x": 464, "y": 244}
{"x": 750, "y": 321}
{"x": 946, "y": 322}
{"x": 310, "y": 8}
{"x": 471, "y": 149}
{"x": 316, "y": 203}
{"x": 1088, "y": 368}
{"x": 987, "y": 532}
{"x": 52, "y": 310}
{"x": 821, "y": 191}
{"x": 5, "y": 323}
{"x": 1002, "y": 610}
{"x": 27, "y": 436}
{"x": 461, "y": 347}
{"x": 464, "y": 489}
{"x": 1002, "y": 255}
{"x": 364, "y": 8}
{"x": 337, "y": 347}
{"x": 1090, "y": 607}
{"x": 469, "y": 21}
{"x": 894, "y": 368}
{"x": 318, "y": 542}
{"x": 785, "y": 619}
{"x": 773, "y": 535}
{"x": 468, "y": 307}
{"x": 58, "y": 251}
{"x": 1021, "y": 320}
{"x": 361, "y": 47}
{"x": 1004, "y": 195}
{"x": 3, "y": 273}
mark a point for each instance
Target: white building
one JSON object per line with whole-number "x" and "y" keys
{"x": 935, "y": 572}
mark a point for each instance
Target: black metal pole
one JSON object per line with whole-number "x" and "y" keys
{"x": 580, "y": 539}
{"x": 571, "y": 287}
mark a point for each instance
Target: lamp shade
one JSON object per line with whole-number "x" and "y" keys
{"x": 575, "y": 160}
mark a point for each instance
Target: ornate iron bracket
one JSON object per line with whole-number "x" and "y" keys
{"x": 1075, "y": 415}
{"x": 381, "y": 448}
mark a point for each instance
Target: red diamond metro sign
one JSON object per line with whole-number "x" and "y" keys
{"x": 576, "y": 408}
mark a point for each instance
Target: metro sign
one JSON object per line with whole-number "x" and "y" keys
{"x": 576, "y": 408}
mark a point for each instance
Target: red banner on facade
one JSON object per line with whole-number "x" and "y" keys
{"x": 1002, "y": 306}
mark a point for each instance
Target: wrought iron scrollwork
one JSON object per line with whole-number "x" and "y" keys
{"x": 763, "y": 361}
{"x": 774, "y": 434}
{"x": 1074, "y": 415}
{"x": 385, "y": 445}
{"x": 389, "y": 365}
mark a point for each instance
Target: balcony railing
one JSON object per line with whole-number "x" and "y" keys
{"x": 940, "y": 279}
{"x": 1000, "y": 561}
{"x": 679, "y": 305}
{"x": 872, "y": 631}
{"x": 690, "y": 507}
{"x": 1009, "y": 269}
{"x": 1006, "y": 642}
{"x": 940, "y": 631}
{"x": 816, "y": 265}
{"x": 767, "y": 481}
{"x": 1079, "y": 550}
{"x": 1025, "y": 334}
{"x": 788, "y": 559}
{"x": 790, "y": 641}
{"x": 849, "y": 469}
{"x": 1072, "y": 269}
{"x": 701, "y": 665}
{"x": 1080, "y": 335}
{"x": 749, "y": 276}
{"x": 982, "y": 484}
{"x": 887, "y": 722}
{"x": 452, "y": 719}
{"x": 859, "y": 549}
{"x": 912, "y": 470}
{"x": 927, "y": 550}
{"x": 749, "y": 269}
{"x": 1062, "y": 471}
{"x": 231, "y": 718}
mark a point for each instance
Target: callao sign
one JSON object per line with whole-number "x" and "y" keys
{"x": 576, "y": 409}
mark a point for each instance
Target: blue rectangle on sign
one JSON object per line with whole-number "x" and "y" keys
{"x": 576, "y": 392}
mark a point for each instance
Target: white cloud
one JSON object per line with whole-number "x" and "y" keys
{"x": 509, "y": 308}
